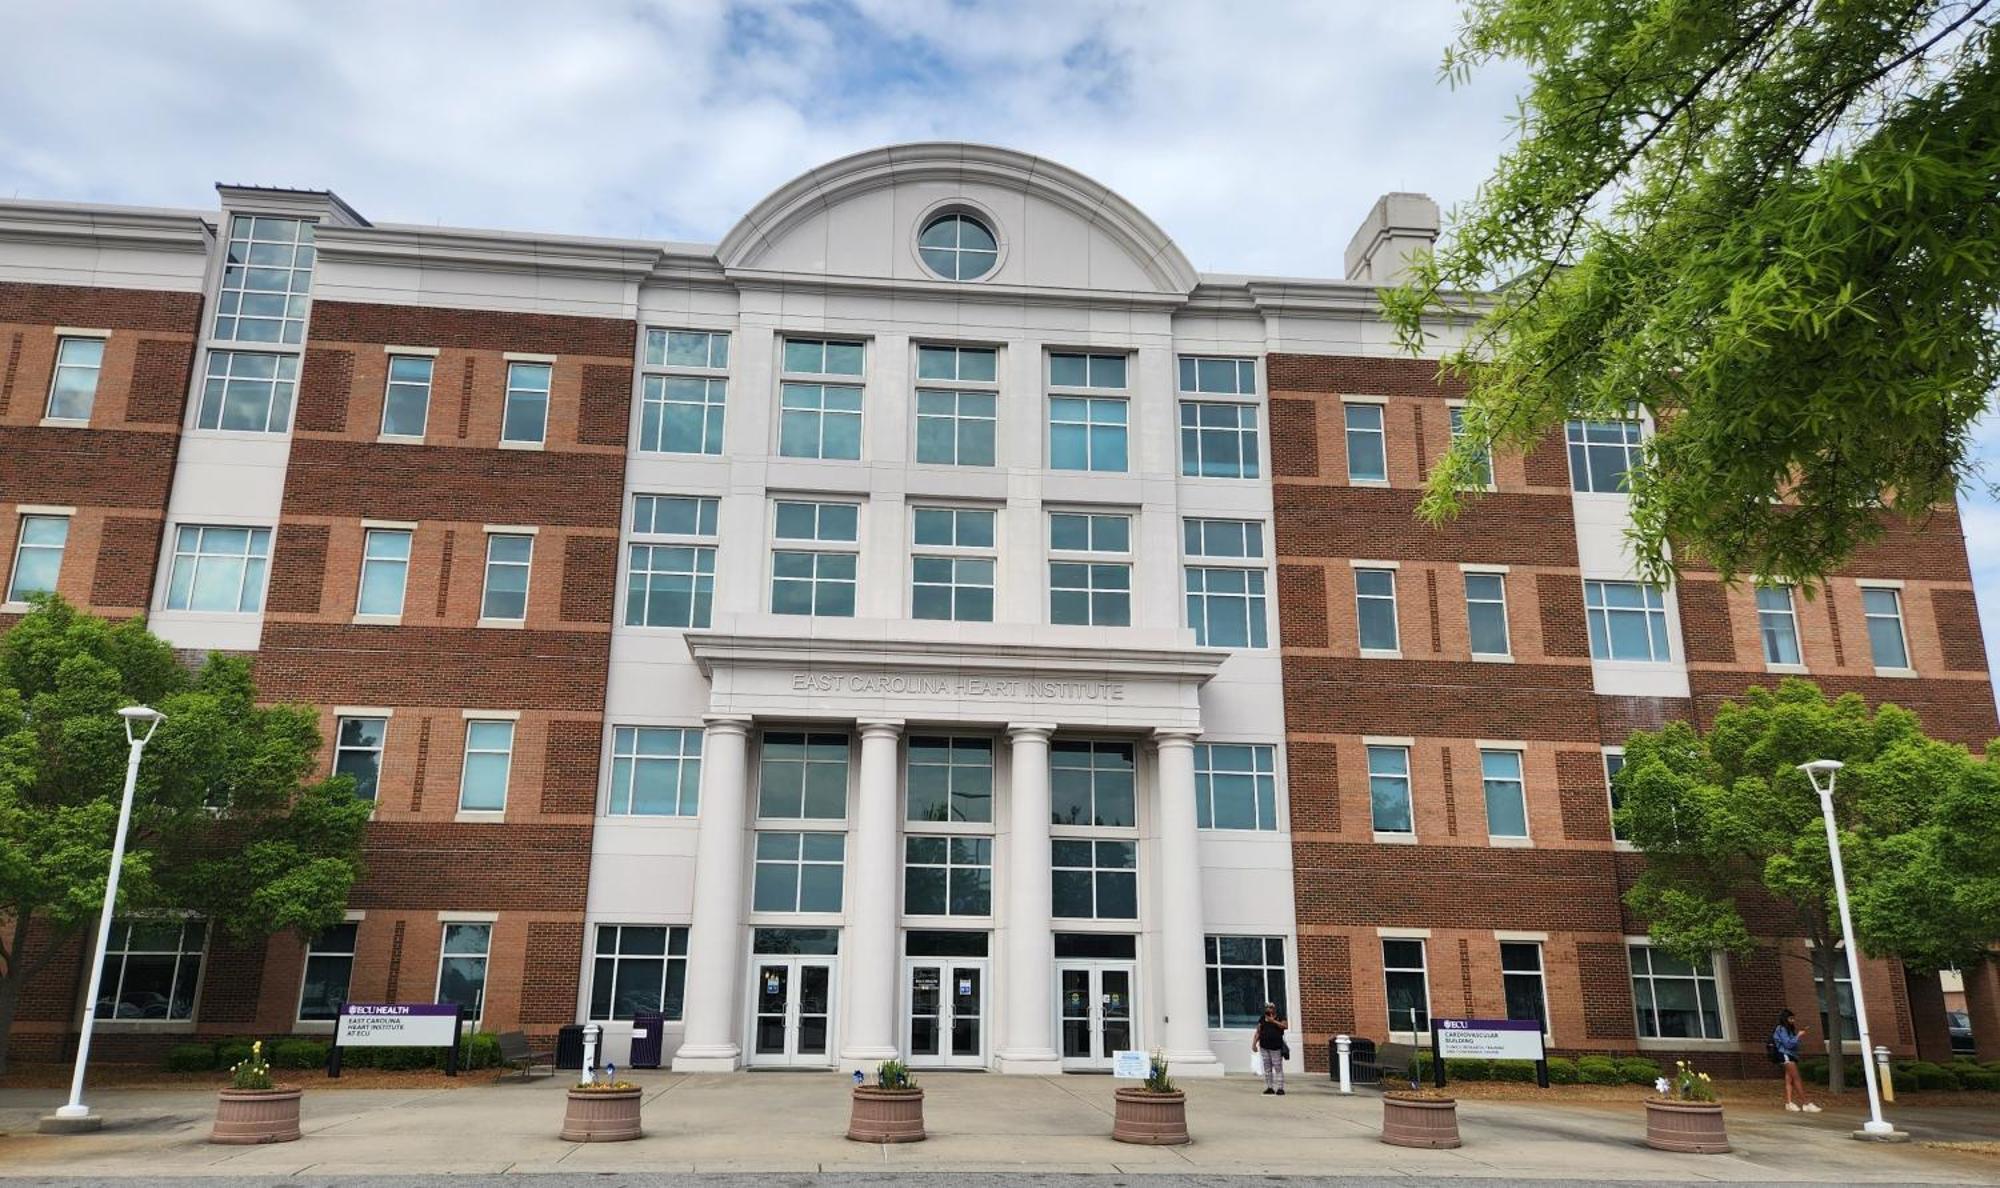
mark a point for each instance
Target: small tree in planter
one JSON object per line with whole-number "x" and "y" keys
{"x": 1154, "y": 1113}
{"x": 1684, "y": 1114}
{"x": 252, "y": 1109}
{"x": 601, "y": 1111}
{"x": 889, "y": 1111}
{"x": 1419, "y": 1117}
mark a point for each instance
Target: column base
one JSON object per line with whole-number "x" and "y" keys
{"x": 720, "y": 1058}
{"x": 1197, "y": 1063}
{"x": 1044, "y": 1063}
{"x": 1886, "y": 1134}
{"x": 864, "y": 1060}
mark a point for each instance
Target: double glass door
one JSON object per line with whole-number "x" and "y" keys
{"x": 1095, "y": 1000}
{"x": 791, "y": 1009}
{"x": 945, "y": 1023}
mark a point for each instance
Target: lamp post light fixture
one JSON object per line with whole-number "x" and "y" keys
{"x": 1822, "y": 773}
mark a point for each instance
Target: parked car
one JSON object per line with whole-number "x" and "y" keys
{"x": 1960, "y": 1024}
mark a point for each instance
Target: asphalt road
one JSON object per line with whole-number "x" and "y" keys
{"x": 816, "y": 1180}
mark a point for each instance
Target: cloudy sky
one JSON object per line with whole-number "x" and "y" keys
{"x": 1257, "y": 132}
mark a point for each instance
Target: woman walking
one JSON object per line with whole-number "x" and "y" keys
{"x": 1269, "y": 1045}
{"x": 1785, "y": 1050}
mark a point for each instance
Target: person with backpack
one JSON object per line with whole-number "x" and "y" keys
{"x": 1783, "y": 1049}
{"x": 1269, "y": 1045}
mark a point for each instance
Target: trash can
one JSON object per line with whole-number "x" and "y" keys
{"x": 569, "y": 1046}
{"x": 647, "y": 1033}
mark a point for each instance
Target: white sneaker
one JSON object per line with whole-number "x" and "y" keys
{"x": 1810, "y": 1108}
{"x": 1792, "y": 1107}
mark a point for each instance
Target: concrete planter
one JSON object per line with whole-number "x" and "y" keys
{"x": 1155, "y": 1119}
{"x": 247, "y": 1116}
{"x": 601, "y": 1115}
{"x": 1409, "y": 1121}
{"x": 886, "y": 1115}
{"x": 1690, "y": 1127}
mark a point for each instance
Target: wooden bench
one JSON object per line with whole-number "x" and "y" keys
{"x": 517, "y": 1053}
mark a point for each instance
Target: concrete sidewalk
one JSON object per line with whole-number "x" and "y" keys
{"x": 780, "y": 1122}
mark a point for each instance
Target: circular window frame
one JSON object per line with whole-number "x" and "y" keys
{"x": 966, "y": 209}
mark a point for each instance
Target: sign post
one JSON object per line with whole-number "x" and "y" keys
{"x": 399, "y": 1025}
{"x": 1488, "y": 1039}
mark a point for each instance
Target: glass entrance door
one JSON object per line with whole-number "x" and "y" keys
{"x": 791, "y": 1011}
{"x": 945, "y": 1023}
{"x": 1097, "y": 1015}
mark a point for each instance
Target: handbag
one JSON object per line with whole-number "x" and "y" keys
{"x": 1284, "y": 1050}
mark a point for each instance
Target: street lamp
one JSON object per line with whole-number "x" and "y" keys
{"x": 140, "y": 722}
{"x": 1822, "y": 772}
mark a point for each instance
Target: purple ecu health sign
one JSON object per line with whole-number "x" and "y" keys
{"x": 1489, "y": 1039}
{"x": 398, "y": 1025}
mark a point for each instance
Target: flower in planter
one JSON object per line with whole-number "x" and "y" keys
{"x": 893, "y": 1075}
{"x": 251, "y": 1072}
{"x": 1157, "y": 1080}
{"x": 1660, "y": 1086}
{"x": 1686, "y": 1085}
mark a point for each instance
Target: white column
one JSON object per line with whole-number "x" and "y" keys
{"x": 1183, "y": 975}
{"x": 715, "y": 937}
{"x": 868, "y": 960}
{"x": 1028, "y": 1043}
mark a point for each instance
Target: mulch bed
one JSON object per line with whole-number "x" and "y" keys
{"x": 140, "y": 1076}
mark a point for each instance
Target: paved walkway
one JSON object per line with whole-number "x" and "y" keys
{"x": 779, "y": 1123}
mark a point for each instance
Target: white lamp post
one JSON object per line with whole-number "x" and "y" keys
{"x": 140, "y": 722}
{"x": 1822, "y": 772}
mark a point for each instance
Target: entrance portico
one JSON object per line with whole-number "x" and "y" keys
{"x": 1139, "y": 703}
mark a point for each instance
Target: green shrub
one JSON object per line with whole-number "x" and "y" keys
{"x": 1468, "y": 1070}
{"x": 191, "y": 1058}
{"x": 479, "y": 1050}
{"x": 1598, "y": 1070}
{"x": 297, "y": 1052}
{"x": 1979, "y": 1078}
{"x": 1562, "y": 1071}
{"x": 1813, "y": 1068}
{"x": 1933, "y": 1076}
{"x": 1516, "y": 1070}
{"x": 1637, "y": 1070}
{"x": 408, "y": 1058}
{"x": 232, "y": 1052}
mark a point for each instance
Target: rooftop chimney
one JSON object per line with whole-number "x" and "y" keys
{"x": 1398, "y": 229}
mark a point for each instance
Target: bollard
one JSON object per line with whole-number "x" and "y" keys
{"x": 1343, "y": 1044}
{"x": 1882, "y": 1068}
{"x": 590, "y": 1033}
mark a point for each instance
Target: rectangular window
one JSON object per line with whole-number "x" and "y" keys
{"x": 1484, "y": 476}
{"x": 638, "y": 969}
{"x": 818, "y": 420}
{"x": 1367, "y": 453}
{"x": 1843, "y": 990}
{"x": 151, "y": 970}
{"x": 956, "y": 427}
{"x": 218, "y": 569}
{"x": 266, "y": 280}
{"x": 73, "y": 389}
{"x": 526, "y": 418}
{"x": 1614, "y": 762}
{"x": 1086, "y": 591}
{"x": 655, "y": 771}
{"x": 1407, "y": 980}
{"x": 1222, "y": 377}
{"x": 38, "y": 556}
{"x": 682, "y": 414}
{"x": 1882, "y": 610}
{"x": 1628, "y": 621}
{"x": 1094, "y": 880}
{"x": 673, "y": 515}
{"x": 245, "y": 392}
{"x": 406, "y": 403}
{"x": 1086, "y": 371}
{"x": 1521, "y": 980}
{"x": 329, "y": 969}
{"x": 1486, "y": 613}
{"x": 696, "y": 350}
{"x": 462, "y": 967}
{"x": 1602, "y": 452}
{"x": 1090, "y": 783}
{"x": 947, "y": 876}
{"x": 1226, "y": 607}
{"x": 1087, "y": 433}
{"x": 385, "y": 570}
{"x": 489, "y": 756}
{"x": 1674, "y": 999}
{"x": 1244, "y": 973}
{"x": 1506, "y": 794}
{"x": 357, "y": 752}
{"x": 1777, "y": 625}
{"x": 802, "y": 775}
{"x": 950, "y": 779}
{"x": 508, "y": 556}
{"x": 799, "y": 872}
{"x": 1389, "y": 789}
{"x": 1218, "y": 440}
{"x": 1235, "y": 786}
{"x": 815, "y": 356}
{"x": 815, "y": 583}
{"x": 670, "y": 585}
{"x": 956, "y": 585}
{"x": 1375, "y": 609}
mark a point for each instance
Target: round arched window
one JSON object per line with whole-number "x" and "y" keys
{"x": 958, "y": 247}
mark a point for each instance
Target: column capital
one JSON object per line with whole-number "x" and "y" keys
{"x": 1030, "y": 729}
{"x": 726, "y": 723}
{"x": 1174, "y": 736}
{"x": 880, "y": 727}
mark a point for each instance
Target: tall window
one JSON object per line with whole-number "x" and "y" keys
{"x": 947, "y": 876}
{"x": 1094, "y": 880}
{"x": 1367, "y": 452}
{"x": 1483, "y": 477}
{"x": 329, "y": 969}
{"x": 1614, "y": 762}
{"x": 218, "y": 569}
{"x": 1407, "y": 980}
{"x": 950, "y": 779}
{"x": 1218, "y": 440}
{"x": 73, "y": 389}
{"x": 1389, "y": 789}
{"x": 1882, "y": 610}
{"x": 526, "y": 418}
{"x": 957, "y": 405}
{"x": 1092, "y": 584}
{"x": 151, "y": 969}
{"x": 1090, "y": 783}
{"x": 671, "y": 584}
{"x": 802, "y": 775}
{"x": 1506, "y": 795}
{"x": 1087, "y": 431}
{"x": 638, "y": 969}
{"x": 385, "y": 570}
{"x": 245, "y": 392}
{"x": 1674, "y": 999}
{"x": 799, "y": 872}
{"x": 489, "y": 756}
{"x": 1628, "y": 621}
{"x": 357, "y": 752}
{"x": 817, "y": 418}
{"x": 462, "y": 966}
{"x": 951, "y": 573}
{"x": 1777, "y": 625}
{"x": 508, "y": 556}
{"x": 1244, "y": 973}
{"x": 406, "y": 403}
{"x": 1375, "y": 609}
{"x": 819, "y": 581}
{"x": 1486, "y": 613}
{"x": 1843, "y": 992}
{"x": 1225, "y": 604}
{"x": 681, "y": 404}
{"x": 266, "y": 280}
{"x": 1602, "y": 453}
{"x": 38, "y": 556}
{"x": 1521, "y": 979}
{"x": 1235, "y": 786}
{"x": 655, "y": 771}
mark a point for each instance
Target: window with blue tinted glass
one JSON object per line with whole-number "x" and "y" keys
{"x": 1506, "y": 794}
{"x": 1367, "y": 451}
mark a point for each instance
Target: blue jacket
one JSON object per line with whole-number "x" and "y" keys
{"x": 1787, "y": 1041}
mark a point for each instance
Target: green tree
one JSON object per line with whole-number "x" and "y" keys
{"x": 1728, "y": 825}
{"x": 224, "y": 822}
{"x": 1775, "y": 224}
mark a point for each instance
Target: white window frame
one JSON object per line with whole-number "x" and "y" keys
{"x": 823, "y": 381}
{"x": 1274, "y": 976}
{"x": 113, "y": 989}
{"x": 299, "y": 1008}
{"x": 951, "y": 767}
{"x": 660, "y": 374}
{"x": 1520, "y": 780}
{"x": 950, "y": 865}
{"x": 628, "y": 743}
{"x": 953, "y": 554}
{"x": 390, "y": 384}
{"x": 243, "y": 230}
{"x": 816, "y": 546}
{"x": 250, "y": 586}
{"x": 1092, "y": 559}
{"x": 1395, "y": 651}
{"x": 1499, "y": 575}
{"x": 485, "y": 924}
{"x": 474, "y": 719}
{"x": 16, "y": 596}
{"x": 1540, "y": 945}
{"x": 1249, "y": 438}
{"x": 220, "y": 374}
{"x": 648, "y": 541}
{"x": 518, "y": 368}
{"x": 1653, "y": 600}
{"x": 1195, "y": 546}
{"x": 64, "y": 338}
{"x": 1424, "y": 955}
{"x": 1576, "y": 439}
{"x": 1263, "y": 776}
{"x": 956, "y": 387}
{"x": 1093, "y": 393}
{"x": 1347, "y": 435}
{"x": 495, "y": 534}
{"x": 370, "y": 532}
{"x": 798, "y": 866}
{"x": 1369, "y": 748}
{"x": 1895, "y": 592}
{"x": 1717, "y": 973}
{"x": 672, "y": 954}
{"x": 344, "y": 715}
{"x": 1097, "y": 872}
{"x": 1790, "y": 616}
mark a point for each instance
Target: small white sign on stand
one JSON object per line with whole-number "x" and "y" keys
{"x": 1130, "y": 1065}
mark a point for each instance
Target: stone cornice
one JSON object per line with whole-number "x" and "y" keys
{"x": 713, "y": 649}
{"x": 79, "y": 225}
{"x": 489, "y": 251}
